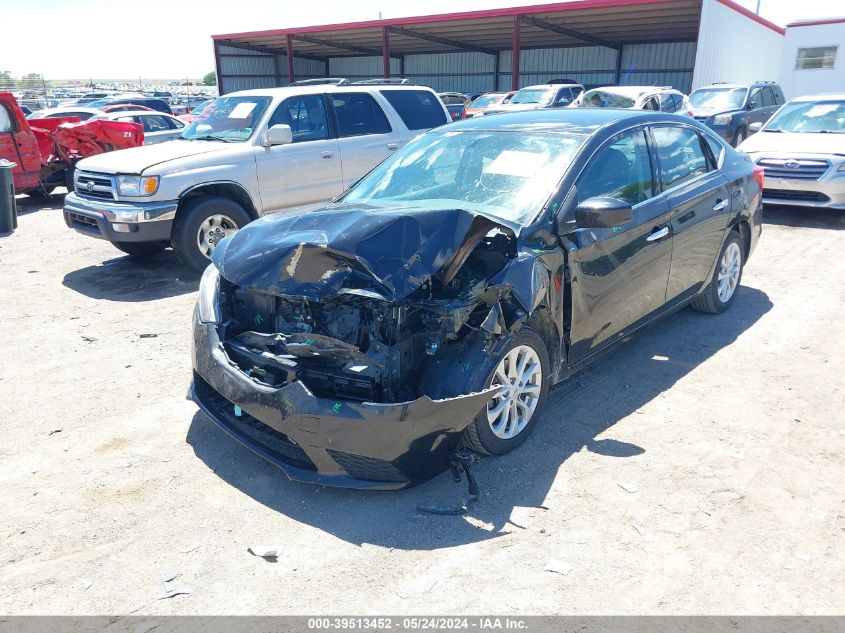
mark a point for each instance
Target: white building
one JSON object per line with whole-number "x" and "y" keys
{"x": 812, "y": 61}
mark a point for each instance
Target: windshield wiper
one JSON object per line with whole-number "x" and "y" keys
{"x": 772, "y": 130}
{"x": 208, "y": 137}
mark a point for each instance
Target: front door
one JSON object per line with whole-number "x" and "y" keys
{"x": 619, "y": 275}
{"x": 307, "y": 171}
{"x": 700, "y": 200}
{"x": 20, "y": 148}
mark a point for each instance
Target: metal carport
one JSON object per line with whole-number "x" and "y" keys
{"x": 591, "y": 41}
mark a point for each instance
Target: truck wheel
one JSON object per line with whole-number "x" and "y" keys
{"x": 739, "y": 137}
{"x": 41, "y": 194}
{"x": 201, "y": 224}
{"x": 140, "y": 250}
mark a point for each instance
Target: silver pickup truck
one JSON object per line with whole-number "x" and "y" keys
{"x": 250, "y": 153}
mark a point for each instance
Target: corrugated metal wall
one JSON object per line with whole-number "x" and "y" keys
{"x": 242, "y": 69}
{"x": 733, "y": 48}
{"x": 665, "y": 64}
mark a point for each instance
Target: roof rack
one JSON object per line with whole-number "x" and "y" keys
{"x": 394, "y": 81}
{"x": 321, "y": 81}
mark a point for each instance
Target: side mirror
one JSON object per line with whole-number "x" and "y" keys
{"x": 280, "y": 134}
{"x": 755, "y": 127}
{"x": 603, "y": 213}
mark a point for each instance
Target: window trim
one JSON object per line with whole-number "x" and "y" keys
{"x": 798, "y": 50}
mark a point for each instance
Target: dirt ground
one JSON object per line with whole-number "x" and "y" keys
{"x": 699, "y": 469}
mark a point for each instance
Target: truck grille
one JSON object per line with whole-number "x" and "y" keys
{"x": 788, "y": 194}
{"x": 96, "y": 186}
{"x": 794, "y": 169}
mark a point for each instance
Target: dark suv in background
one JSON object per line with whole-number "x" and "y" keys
{"x": 730, "y": 109}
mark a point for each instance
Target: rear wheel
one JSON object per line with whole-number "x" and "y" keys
{"x": 721, "y": 291}
{"x": 200, "y": 226}
{"x": 140, "y": 250}
{"x": 522, "y": 372}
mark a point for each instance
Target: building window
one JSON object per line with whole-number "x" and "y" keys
{"x": 818, "y": 57}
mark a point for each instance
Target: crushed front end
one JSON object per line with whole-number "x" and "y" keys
{"x": 341, "y": 388}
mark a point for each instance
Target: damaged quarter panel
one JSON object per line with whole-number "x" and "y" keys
{"x": 360, "y": 344}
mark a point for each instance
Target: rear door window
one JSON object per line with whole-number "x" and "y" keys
{"x": 358, "y": 114}
{"x": 5, "y": 120}
{"x": 768, "y": 97}
{"x": 680, "y": 155}
{"x": 418, "y": 109}
{"x": 154, "y": 123}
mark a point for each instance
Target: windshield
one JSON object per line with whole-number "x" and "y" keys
{"x": 718, "y": 98}
{"x": 604, "y": 99}
{"x": 232, "y": 119}
{"x": 818, "y": 116}
{"x": 505, "y": 174}
{"x": 533, "y": 95}
{"x": 486, "y": 101}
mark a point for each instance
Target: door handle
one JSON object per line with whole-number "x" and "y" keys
{"x": 392, "y": 146}
{"x": 659, "y": 234}
{"x": 720, "y": 205}
{"x": 326, "y": 154}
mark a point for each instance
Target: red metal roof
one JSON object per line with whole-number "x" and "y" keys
{"x": 560, "y": 24}
{"x": 816, "y": 22}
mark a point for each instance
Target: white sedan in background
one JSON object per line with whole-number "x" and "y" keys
{"x": 83, "y": 113}
{"x": 158, "y": 127}
{"x": 657, "y": 98}
{"x": 802, "y": 152}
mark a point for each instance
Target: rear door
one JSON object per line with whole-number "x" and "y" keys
{"x": 619, "y": 275}
{"x": 307, "y": 171}
{"x": 364, "y": 134}
{"x": 699, "y": 198}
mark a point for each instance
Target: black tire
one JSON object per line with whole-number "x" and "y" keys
{"x": 479, "y": 435}
{"x": 189, "y": 219}
{"x": 140, "y": 250}
{"x": 69, "y": 173}
{"x": 709, "y": 300}
{"x": 43, "y": 193}
{"x": 739, "y": 136}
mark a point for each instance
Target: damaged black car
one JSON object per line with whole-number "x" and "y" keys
{"x": 431, "y": 307}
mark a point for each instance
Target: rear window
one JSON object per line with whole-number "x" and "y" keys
{"x": 418, "y": 109}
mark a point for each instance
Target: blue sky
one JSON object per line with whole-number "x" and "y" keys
{"x": 65, "y": 39}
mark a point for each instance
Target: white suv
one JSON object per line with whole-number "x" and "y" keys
{"x": 657, "y": 98}
{"x": 250, "y": 153}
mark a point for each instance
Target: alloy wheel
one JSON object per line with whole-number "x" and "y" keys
{"x": 520, "y": 375}
{"x": 729, "y": 269}
{"x": 212, "y": 230}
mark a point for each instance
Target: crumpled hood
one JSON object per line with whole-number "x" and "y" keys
{"x": 137, "y": 159}
{"x": 788, "y": 143}
{"x": 364, "y": 250}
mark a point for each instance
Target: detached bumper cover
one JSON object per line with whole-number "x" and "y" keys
{"x": 331, "y": 442}
{"x": 146, "y": 221}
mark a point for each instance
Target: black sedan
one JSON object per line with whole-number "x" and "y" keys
{"x": 434, "y": 304}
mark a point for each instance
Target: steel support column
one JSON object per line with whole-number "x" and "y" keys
{"x": 291, "y": 73}
{"x": 217, "y": 68}
{"x": 385, "y": 51}
{"x": 517, "y": 23}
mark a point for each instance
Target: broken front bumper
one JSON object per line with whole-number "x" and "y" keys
{"x": 331, "y": 442}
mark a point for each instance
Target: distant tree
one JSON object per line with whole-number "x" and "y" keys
{"x": 32, "y": 76}
{"x": 210, "y": 79}
{"x": 5, "y": 78}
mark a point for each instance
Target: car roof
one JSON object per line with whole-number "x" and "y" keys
{"x": 561, "y": 120}
{"x": 633, "y": 91}
{"x": 824, "y": 96}
{"x": 320, "y": 89}
{"x": 115, "y": 115}
{"x": 70, "y": 108}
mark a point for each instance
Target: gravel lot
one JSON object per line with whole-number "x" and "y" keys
{"x": 698, "y": 469}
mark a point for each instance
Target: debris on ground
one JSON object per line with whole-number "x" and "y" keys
{"x": 54, "y": 431}
{"x": 629, "y": 487}
{"x": 150, "y": 335}
{"x": 167, "y": 588}
{"x": 462, "y": 460}
{"x": 558, "y": 567}
{"x": 269, "y": 552}
{"x": 190, "y": 548}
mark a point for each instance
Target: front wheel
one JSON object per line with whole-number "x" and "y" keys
{"x": 200, "y": 226}
{"x": 739, "y": 137}
{"x": 522, "y": 372}
{"x": 721, "y": 291}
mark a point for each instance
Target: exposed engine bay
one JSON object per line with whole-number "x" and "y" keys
{"x": 353, "y": 346}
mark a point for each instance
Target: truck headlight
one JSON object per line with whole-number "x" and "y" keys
{"x": 722, "y": 119}
{"x": 207, "y": 297}
{"x": 137, "y": 186}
